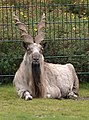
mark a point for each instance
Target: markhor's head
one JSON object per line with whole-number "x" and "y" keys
{"x": 32, "y": 46}
{"x": 34, "y": 52}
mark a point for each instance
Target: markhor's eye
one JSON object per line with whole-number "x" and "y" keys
{"x": 28, "y": 51}
{"x": 41, "y": 50}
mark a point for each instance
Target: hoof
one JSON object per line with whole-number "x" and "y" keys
{"x": 27, "y": 96}
{"x": 72, "y": 96}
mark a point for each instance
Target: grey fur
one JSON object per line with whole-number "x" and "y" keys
{"x": 36, "y": 78}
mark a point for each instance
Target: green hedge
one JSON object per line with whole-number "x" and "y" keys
{"x": 68, "y": 20}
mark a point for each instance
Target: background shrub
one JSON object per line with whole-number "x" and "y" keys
{"x": 67, "y": 33}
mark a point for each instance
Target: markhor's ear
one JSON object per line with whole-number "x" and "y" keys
{"x": 43, "y": 43}
{"x": 25, "y": 45}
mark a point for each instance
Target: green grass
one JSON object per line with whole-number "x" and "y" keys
{"x": 14, "y": 108}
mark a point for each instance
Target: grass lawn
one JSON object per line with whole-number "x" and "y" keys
{"x": 14, "y": 108}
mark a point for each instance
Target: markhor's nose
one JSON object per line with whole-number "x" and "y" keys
{"x": 35, "y": 56}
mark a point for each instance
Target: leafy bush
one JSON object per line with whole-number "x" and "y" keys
{"x": 65, "y": 29}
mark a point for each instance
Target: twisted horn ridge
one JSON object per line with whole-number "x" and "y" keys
{"x": 24, "y": 34}
{"x": 41, "y": 34}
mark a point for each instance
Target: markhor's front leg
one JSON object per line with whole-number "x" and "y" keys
{"x": 26, "y": 95}
{"x": 22, "y": 87}
{"x": 23, "y": 92}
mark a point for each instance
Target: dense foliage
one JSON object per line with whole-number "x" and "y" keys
{"x": 67, "y": 32}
